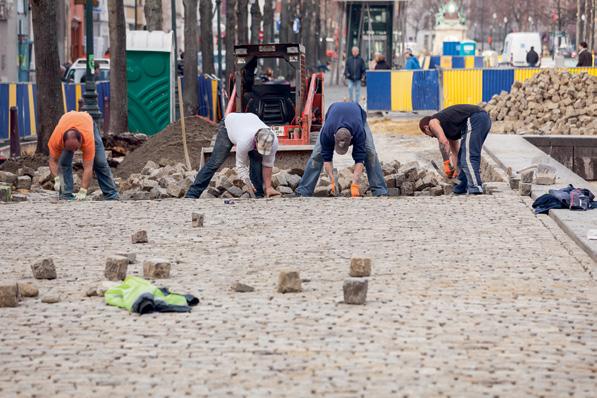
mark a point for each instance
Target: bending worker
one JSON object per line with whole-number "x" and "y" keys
{"x": 462, "y": 130}
{"x": 76, "y": 130}
{"x": 345, "y": 125}
{"x": 256, "y": 147}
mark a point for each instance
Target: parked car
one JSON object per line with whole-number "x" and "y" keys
{"x": 77, "y": 70}
{"x": 517, "y": 45}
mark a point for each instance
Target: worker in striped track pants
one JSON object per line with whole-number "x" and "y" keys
{"x": 461, "y": 130}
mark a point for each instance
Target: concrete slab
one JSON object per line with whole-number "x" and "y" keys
{"x": 517, "y": 153}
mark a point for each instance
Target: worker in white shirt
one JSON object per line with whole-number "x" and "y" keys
{"x": 256, "y": 147}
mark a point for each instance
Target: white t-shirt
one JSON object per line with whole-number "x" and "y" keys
{"x": 241, "y": 128}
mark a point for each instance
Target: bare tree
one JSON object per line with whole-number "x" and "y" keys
{"x": 207, "y": 42}
{"x": 255, "y": 22}
{"x": 285, "y": 21}
{"x": 242, "y": 15}
{"x": 230, "y": 35}
{"x": 47, "y": 72}
{"x": 190, "y": 58}
{"x": 118, "y": 82}
{"x": 153, "y": 14}
{"x": 268, "y": 21}
{"x": 306, "y": 32}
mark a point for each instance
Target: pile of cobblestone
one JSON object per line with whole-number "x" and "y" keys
{"x": 171, "y": 180}
{"x": 402, "y": 180}
{"x": 16, "y": 187}
{"x": 157, "y": 181}
{"x": 550, "y": 103}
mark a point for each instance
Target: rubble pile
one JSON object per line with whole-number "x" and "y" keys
{"x": 167, "y": 179}
{"x": 550, "y": 103}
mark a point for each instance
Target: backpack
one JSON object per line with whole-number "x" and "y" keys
{"x": 579, "y": 199}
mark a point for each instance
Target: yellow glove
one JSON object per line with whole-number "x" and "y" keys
{"x": 81, "y": 195}
{"x": 355, "y": 190}
{"x": 57, "y": 183}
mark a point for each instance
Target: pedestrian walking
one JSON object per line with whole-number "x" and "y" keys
{"x": 532, "y": 57}
{"x": 354, "y": 71}
{"x": 585, "y": 58}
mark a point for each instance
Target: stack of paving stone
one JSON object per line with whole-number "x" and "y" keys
{"x": 550, "y": 103}
{"x": 157, "y": 182}
{"x": 14, "y": 187}
{"x": 402, "y": 180}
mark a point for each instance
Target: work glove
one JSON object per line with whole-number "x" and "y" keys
{"x": 333, "y": 186}
{"x": 81, "y": 195}
{"x": 448, "y": 169}
{"x": 57, "y": 183}
{"x": 355, "y": 190}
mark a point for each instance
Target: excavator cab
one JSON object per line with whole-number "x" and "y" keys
{"x": 292, "y": 105}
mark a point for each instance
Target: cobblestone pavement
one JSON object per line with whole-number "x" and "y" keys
{"x": 469, "y": 296}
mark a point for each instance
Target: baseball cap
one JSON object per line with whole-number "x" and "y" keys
{"x": 265, "y": 141}
{"x": 343, "y": 139}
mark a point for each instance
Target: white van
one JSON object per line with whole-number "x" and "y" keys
{"x": 517, "y": 45}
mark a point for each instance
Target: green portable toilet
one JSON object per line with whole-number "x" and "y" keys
{"x": 150, "y": 73}
{"x": 468, "y": 47}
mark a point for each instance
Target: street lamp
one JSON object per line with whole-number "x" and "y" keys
{"x": 505, "y": 27}
{"x": 90, "y": 95}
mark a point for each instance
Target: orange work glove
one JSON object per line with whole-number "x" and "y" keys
{"x": 333, "y": 186}
{"x": 355, "y": 190}
{"x": 448, "y": 169}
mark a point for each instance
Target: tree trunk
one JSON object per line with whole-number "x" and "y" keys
{"x": 207, "y": 36}
{"x": 268, "y": 29}
{"x": 255, "y": 22}
{"x": 268, "y": 21}
{"x": 306, "y": 32}
{"x": 285, "y": 24}
{"x": 230, "y": 35}
{"x": 323, "y": 31}
{"x": 242, "y": 14}
{"x": 190, "y": 58}
{"x": 285, "y": 31}
{"x": 47, "y": 73}
{"x": 118, "y": 82}
{"x": 578, "y": 25}
{"x": 153, "y": 14}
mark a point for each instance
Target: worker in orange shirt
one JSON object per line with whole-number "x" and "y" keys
{"x": 76, "y": 130}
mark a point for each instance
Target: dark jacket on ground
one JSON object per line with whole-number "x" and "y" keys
{"x": 532, "y": 58}
{"x": 354, "y": 68}
{"x": 585, "y": 58}
{"x": 350, "y": 116}
{"x": 382, "y": 65}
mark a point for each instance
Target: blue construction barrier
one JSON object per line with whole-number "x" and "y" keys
{"x": 24, "y": 97}
{"x": 407, "y": 91}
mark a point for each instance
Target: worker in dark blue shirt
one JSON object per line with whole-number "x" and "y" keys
{"x": 345, "y": 125}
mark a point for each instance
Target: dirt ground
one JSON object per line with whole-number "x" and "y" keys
{"x": 34, "y": 162}
{"x": 395, "y": 127}
{"x": 167, "y": 146}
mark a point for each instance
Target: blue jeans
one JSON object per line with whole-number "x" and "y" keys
{"x": 469, "y": 156}
{"x": 354, "y": 90}
{"x": 222, "y": 148}
{"x": 372, "y": 165}
{"x": 102, "y": 170}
